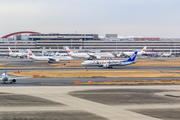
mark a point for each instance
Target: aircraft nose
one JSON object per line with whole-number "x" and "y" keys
{"x": 82, "y": 63}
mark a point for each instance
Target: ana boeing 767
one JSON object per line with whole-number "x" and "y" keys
{"x": 111, "y": 63}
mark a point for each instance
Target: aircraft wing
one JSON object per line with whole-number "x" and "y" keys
{"x": 128, "y": 54}
{"x": 94, "y": 56}
{"x": 4, "y": 53}
{"x": 22, "y": 55}
{"x": 54, "y": 59}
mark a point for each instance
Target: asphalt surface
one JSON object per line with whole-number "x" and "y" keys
{"x": 89, "y": 102}
{"x": 164, "y": 114}
{"x": 99, "y": 68}
{"x": 125, "y": 96}
{"x": 11, "y": 63}
{"x": 68, "y": 81}
{"x": 50, "y": 115}
{"x": 59, "y": 98}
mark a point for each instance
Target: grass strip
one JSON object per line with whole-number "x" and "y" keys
{"x": 99, "y": 73}
{"x": 135, "y": 82}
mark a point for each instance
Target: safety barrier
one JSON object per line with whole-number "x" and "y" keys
{"x": 76, "y": 82}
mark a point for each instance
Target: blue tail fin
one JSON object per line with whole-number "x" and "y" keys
{"x": 133, "y": 57}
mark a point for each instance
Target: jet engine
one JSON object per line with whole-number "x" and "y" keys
{"x": 14, "y": 80}
{"x": 105, "y": 66}
{"x": 98, "y": 57}
{"x": 57, "y": 60}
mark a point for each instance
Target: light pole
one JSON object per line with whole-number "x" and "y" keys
{"x": 15, "y": 44}
{"x": 116, "y": 46}
{"x": 71, "y": 43}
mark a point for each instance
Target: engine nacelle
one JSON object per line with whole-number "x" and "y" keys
{"x": 14, "y": 80}
{"x": 105, "y": 66}
{"x": 57, "y": 60}
{"x": 98, "y": 57}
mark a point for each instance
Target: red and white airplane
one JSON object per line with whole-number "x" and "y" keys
{"x": 48, "y": 58}
{"x": 89, "y": 55}
{"x": 16, "y": 54}
{"x": 143, "y": 51}
{"x": 77, "y": 55}
{"x": 167, "y": 54}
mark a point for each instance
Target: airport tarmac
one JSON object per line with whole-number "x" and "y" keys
{"x": 98, "y": 68}
{"x": 29, "y": 65}
{"x": 90, "y": 103}
{"x": 70, "y": 81}
{"x": 59, "y": 98}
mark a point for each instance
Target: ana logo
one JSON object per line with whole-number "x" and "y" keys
{"x": 132, "y": 56}
{"x": 30, "y": 54}
{"x": 68, "y": 51}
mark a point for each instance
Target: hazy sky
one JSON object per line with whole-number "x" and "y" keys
{"x": 151, "y": 18}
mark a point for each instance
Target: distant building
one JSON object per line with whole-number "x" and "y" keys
{"x": 84, "y": 42}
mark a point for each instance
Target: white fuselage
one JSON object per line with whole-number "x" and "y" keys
{"x": 102, "y": 55}
{"x": 4, "y": 77}
{"x": 166, "y": 55}
{"x": 101, "y": 63}
{"x": 18, "y": 54}
{"x": 79, "y": 55}
{"x": 62, "y": 58}
{"x": 130, "y": 53}
{"x": 47, "y": 58}
{"x": 40, "y": 58}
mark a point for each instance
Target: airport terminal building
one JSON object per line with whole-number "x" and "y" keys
{"x": 82, "y": 42}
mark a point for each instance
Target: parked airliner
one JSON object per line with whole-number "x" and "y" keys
{"x": 89, "y": 55}
{"x": 111, "y": 63}
{"x": 101, "y": 55}
{"x": 48, "y": 58}
{"x": 77, "y": 55}
{"x": 166, "y": 54}
{"x": 16, "y": 54}
{"x": 143, "y": 51}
